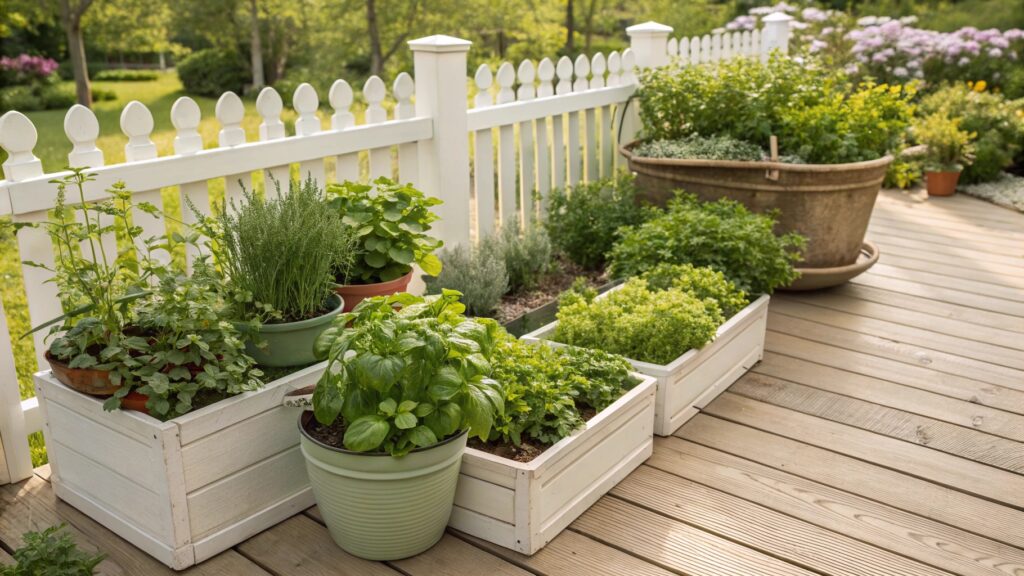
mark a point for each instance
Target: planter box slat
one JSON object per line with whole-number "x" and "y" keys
{"x": 698, "y": 376}
{"x": 186, "y": 489}
{"x": 552, "y": 490}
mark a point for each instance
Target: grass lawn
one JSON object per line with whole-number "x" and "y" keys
{"x": 52, "y": 148}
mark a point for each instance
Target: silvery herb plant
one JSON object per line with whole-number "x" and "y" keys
{"x": 407, "y": 372}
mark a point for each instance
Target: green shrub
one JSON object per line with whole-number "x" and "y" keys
{"x": 904, "y": 172}
{"x": 701, "y": 148}
{"x": 213, "y": 71}
{"x": 583, "y": 220}
{"x": 702, "y": 282}
{"x": 280, "y": 252}
{"x": 478, "y": 273}
{"x": 126, "y": 75}
{"x": 391, "y": 222}
{"x": 34, "y": 97}
{"x": 723, "y": 235}
{"x": 949, "y": 147}
{"x": 527, "y": 255}
{"x": 546, "y": 389}
{"x": 998, "y": 123}
{"x": 816, "y": 114}
{"x": 635, "y": 321}
{"x": 51, "y": 552}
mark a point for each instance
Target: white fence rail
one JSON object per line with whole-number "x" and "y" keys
{"x": 532, "y": 128}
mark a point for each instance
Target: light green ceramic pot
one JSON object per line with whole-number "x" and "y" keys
{"x": 289, "y": 343}
{"x": 379, "y": 507}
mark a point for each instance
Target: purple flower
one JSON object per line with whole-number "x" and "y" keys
{"x": 814, "y": 15}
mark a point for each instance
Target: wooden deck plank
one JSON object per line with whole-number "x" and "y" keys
{"x": 940, "y": 294}
{"x": 31, "y": 505}
{"x": 953, "y": 208}
{"x": 893, "y": 348}
{"x": 954, "y": 228}
{"x": 761, "y": 528}
{"x": 966, "y": 285}
{"x": 957, "y": 411}
{"x": 921, "y": 320}
{"x": 876, "y": 527}
{"x": 675, "y": 545}
{"x": 455, "y": 557}
{"x": 938, "y": 435}
{"x": 933, "y": 307}
{"x": 883, "y": 240}
{"x": 938, "y": 467}
{"x": 949, "y": 238}
{"x": 919, "y": 377}
{"x": 895, "y": 489}
{"x": 909, "y": 261}
{"x": 573, "y": 554}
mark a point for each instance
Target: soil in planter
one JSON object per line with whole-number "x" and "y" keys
{"x": 528, "y": 450}
{"x": 550, "y": 287}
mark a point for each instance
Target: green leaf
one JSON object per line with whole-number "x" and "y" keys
{"x": 405, "y": 420}
{"x": 327, "y": 400}
{"x": 479, "y": 413}
{"x": 446, "y": 419}
{"x": 423, "y": 436}
{"x": 388, "y": 406}
{"x": 445, "y": 384}
{"x": 366, "y": 433}
{"x": 430, "y": 264}
{"x": 423, "y": 409}
{"x": 375, "y": 259}
{"x": 401, "y": 255}
{"x": 83, "y": 360}
{"x": 407, "y": 405}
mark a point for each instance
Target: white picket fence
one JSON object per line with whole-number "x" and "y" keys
{"x": 532, "y": 128}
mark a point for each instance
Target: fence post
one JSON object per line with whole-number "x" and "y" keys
{"x": 649, "y": 42}
{"x": 15, "y": 457}
{"x": 440, "y": 74}
{"x": 775, "y": 35}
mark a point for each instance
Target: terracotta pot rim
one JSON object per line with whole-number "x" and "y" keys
{"x": 375, "y": 287}
{"x": 53, "y": 360}
{"x": 307, "y": 416}
{"x": 627, "y": 151}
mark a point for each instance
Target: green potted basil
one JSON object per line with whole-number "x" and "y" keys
{"x": 407, "y": 381}
{"x": 278, "y": 255}
{"x": 391, "y": 222}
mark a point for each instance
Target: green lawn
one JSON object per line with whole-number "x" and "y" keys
{"x": 53, "y": 147}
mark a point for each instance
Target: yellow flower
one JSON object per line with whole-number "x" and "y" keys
{"x": 980, "y": 86}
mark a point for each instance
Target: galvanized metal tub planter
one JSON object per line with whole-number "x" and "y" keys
{"x": 186, "y": 489}
{"x": 694, "y": 379}
{"x": 523, "y": 506}
{"x": 830, "y": 204}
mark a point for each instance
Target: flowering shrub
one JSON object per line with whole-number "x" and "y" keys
{"x": 949, "y": 147}
{"x": 26, "y": 69}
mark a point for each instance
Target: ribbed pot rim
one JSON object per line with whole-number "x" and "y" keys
{"x": 627, "y": 151}
{"x": 307, "y": 416}
{"x": 301, "y": 324}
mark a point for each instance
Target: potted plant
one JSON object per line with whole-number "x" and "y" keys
{"x": 391, "y": 222}
{"x": 949, "y": 149}
{"x": 833, "y": 144}
{"x": 278, "y": 256}
{"x": 575, "y": 423}
{"x": 51, "y": 551}
{"x": 407, "y": 381}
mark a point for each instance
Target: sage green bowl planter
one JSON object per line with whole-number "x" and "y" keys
{"x": 289, "y": 343}
{"x": 379, "y": 507}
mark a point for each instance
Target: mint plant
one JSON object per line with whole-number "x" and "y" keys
{"x": 51, "y": 552}
{"x": 406, "y": 372}
{"x": 391, "y": 222}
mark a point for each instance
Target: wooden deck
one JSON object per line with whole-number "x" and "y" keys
{"x": 882, "y": 434}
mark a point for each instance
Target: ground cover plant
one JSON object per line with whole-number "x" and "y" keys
{"x": 723, "y": 235}
{"x": 51, "y": 552}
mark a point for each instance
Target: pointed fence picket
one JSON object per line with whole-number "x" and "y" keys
{"x": 536, "y": 109}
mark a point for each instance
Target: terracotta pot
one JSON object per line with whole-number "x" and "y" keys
{"x": 84, "y": 380}
{"x": 941, "y": 183}
{"x": 135, "y": 401}
{"x": 830, "y": 204}
{"x": 356, "y": 293}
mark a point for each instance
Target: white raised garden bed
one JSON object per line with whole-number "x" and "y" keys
{"x": 691, "y": 381}
{"x": 186, "y": 489}
{"x": 523, "y": 506}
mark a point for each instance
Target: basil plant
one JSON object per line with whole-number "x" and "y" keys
{"x": 406, "y": 372}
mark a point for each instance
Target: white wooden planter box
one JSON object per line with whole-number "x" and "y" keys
{"x": 523, "y": 506}
{"x": 186, "y": 489}
{"x": 691, "y": 381}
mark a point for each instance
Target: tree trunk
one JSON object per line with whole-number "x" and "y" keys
{"x": 589, "y": 34}
{"x": 71, "y": 20}
{"x": 256, "y": 48}
{"x": 376, "y": 53}
{"x": 570, "y": 28}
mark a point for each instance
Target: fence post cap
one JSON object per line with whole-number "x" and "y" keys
{"x": 440, "y": 43}
{"x": 648, "y": 28}
{"x": 777, "y": 17}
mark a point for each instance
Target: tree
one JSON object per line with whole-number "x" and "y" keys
{"x": 378, "y": 56}
{"x": 129, "y": 27}
{"x": 71, "y": 12}
{"x": 256, "y": 47}
{"x": 570, "y": 27}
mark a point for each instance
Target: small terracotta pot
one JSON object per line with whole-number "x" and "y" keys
{"x": 941, "y": 183}
{"x": 85, "y": 380}
{"x": 356, "y": 293}
{"x": 135, "y": 401}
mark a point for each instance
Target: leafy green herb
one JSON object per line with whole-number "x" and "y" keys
{"x": 527, "y": 255}
{"x": 583, "y": 220}
{"x": 51, "y": 553}
{"x": 701, "y": 148}
{"x": 722, "y": 235}
{"x": 391, "y": 222}
{"x": 409, "y": 377}
{"x": 702, "y": 282}
{"x": 479, "y": 273}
